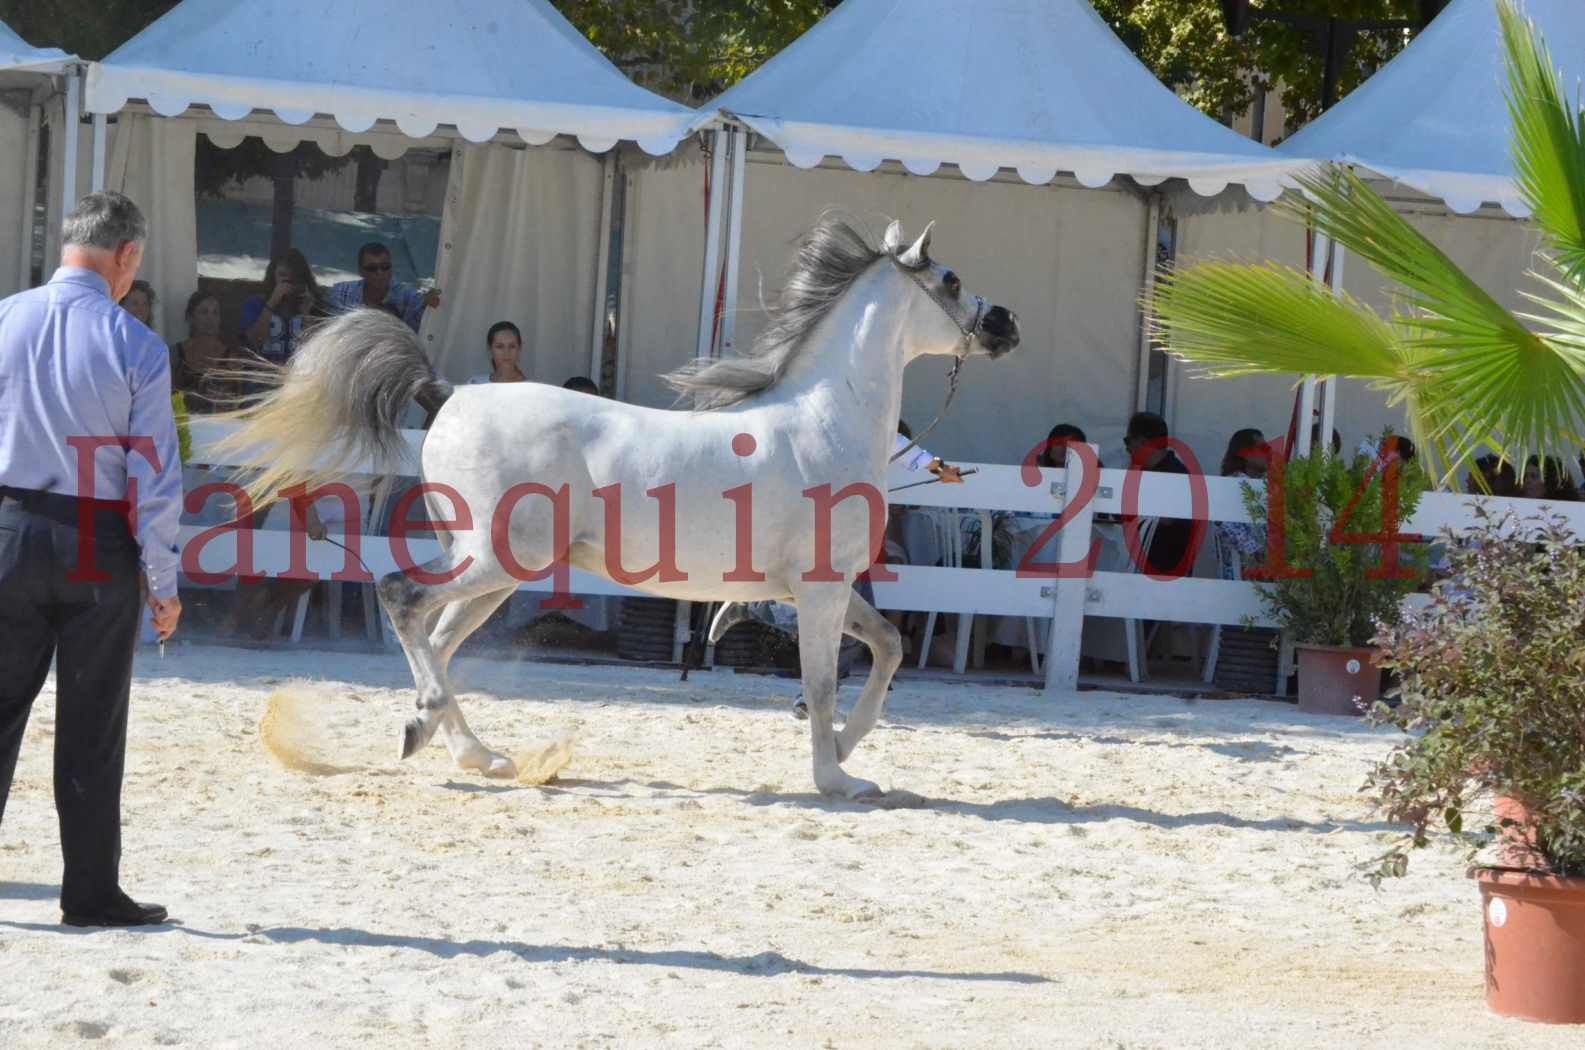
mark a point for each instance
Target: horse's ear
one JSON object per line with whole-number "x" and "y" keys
{"x": 918, "y": 257}
{"x": 893, "y": 242}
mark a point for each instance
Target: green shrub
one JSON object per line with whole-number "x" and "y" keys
{"x": 1492, "y": 693}
{"x": 1339, "y": 603}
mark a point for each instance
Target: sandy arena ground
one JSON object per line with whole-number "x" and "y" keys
{"x": 1097, "y": 871}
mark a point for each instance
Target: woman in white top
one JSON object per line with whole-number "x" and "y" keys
{"x": 506, "y": 344}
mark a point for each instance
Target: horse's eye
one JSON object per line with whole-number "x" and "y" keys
{"x": 951, "y": 281}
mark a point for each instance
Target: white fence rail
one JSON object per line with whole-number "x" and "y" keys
{"x": 1003, "y": 592}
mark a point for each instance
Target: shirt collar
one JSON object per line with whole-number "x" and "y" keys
{"x": 83, "y": 277}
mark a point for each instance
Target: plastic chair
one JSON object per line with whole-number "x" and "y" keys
{"x": 1135, "y": 637}
{"x": 1229, "y": 566}
{"x": 948, "y": 527}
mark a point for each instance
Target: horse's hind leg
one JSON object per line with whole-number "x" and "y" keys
{"x": 886, "y": 651}
{"x": 409, "y": 604}
{"x": 820, "y": 617}
{"x": 457, "y": 622}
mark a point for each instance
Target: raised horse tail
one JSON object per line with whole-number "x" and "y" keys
{"x": 338, "y": 401}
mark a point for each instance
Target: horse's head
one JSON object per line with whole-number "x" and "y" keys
{"x": 965, "y": 322}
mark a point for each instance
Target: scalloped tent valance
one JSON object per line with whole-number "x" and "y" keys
{"x": 17, "y": 55}
{"x": 1435, "y": 118}
{"x": 480, "y": 66}
{"x": 1037, "y": 86}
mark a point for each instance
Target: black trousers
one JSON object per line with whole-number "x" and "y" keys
{"x": 89, "y": 628}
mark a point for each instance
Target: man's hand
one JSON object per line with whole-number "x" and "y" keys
{"x": 432, "y": 300}
{"x": 166, "y": 612}
{"x": 946, "y": 473}
{"x": 313, "y": 526}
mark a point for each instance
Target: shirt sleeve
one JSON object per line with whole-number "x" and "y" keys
{"x": 252, "y": 307}
{"x": 917, "y": 459}
{"x": 159, "y": 490}
{"x": 410, "y": 301}
{"x": 344, "y": 295}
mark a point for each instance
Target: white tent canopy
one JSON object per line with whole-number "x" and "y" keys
{"x": 1435, "y": 118}
{"x": 1039, "y": 86}
{"x": 479, "y": 65}
{"x": 18, "y": 55}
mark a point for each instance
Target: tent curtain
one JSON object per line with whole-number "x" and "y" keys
{"x": 152, "y": 160}
{"x": 16, "y": 226}
{"x": 519, "y": 243}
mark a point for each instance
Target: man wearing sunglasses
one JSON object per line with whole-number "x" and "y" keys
{"x": 376, "y": 289}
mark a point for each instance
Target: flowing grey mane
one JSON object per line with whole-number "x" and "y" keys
{"x": 830, "y": 257}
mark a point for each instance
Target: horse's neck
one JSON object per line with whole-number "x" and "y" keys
{"x": 849, "y": 375}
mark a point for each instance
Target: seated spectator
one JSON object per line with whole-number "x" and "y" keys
{"x": 375, "y": 289}
{"x": 1146, "y": 442}
{"x": 273, "y": 323}
{"x": 1499, "y": 476}
{"x": 139, "y": 302}
{"x": 582, "y": 384}
{"x": 1055, "y": 454}
{"x": 1548, "y": 479}
{"x": 1337, "y": 439}
{"x": 1246, "y": 457}
{"x": 197, "y": 360}
{"x": 505, "y": 344}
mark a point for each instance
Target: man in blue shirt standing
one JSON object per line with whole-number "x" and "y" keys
{"x": 376, "y": 289}
{"x": 90, "y": 506}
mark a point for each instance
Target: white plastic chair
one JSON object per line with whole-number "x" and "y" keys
{"x": 1228, "y": 560}
{"x": 371, "y": 511}
{"x": 1135, "y": 637}
{"x": 948, "y": 527}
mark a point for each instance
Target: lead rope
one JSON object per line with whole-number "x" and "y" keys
{"x": 952, "y": 392}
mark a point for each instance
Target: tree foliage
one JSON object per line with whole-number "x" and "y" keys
{"x": 1185, "y": 44}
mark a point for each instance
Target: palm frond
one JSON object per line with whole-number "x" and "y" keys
{"x": 1241, "y": 319}
{"x": 1548, "y": 141}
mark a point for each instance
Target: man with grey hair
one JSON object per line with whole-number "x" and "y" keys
{"x": 90, "y": 504}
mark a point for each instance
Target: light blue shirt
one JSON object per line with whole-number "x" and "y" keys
{"x": 404, "y": 300}
{"x": 74, "y": 364}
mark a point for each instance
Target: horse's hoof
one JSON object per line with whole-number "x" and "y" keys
{"x": 413, "y": 737}
{"x": 500, "y": 767}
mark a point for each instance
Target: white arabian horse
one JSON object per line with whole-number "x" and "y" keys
{"x": 814, "y": 404}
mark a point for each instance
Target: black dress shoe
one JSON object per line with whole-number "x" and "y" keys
{"x": 125, "y": 912}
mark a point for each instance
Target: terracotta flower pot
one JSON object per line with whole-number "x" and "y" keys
{"x": 1535, "y": 945}
{"x": 1337, "y": 680}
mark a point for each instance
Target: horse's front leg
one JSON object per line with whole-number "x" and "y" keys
{"x": 821, "y": 609}
{"x": 886, "y": 655}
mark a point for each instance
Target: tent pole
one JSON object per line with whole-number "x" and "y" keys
{"x": 97, "y": 166}
{"x": 603, "y": 264}
{"x": 734, "y": 239}
{"x": 712, "y": 243}
{"x": 30, "y": 178}
{"x": 1329, "y": 406}
{"x": 1321, "y": 249}
{"x": 1147, "y": 285}
{"x": 69, "y": 127}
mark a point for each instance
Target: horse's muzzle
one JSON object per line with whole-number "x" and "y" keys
{"x": 998, "y": 331}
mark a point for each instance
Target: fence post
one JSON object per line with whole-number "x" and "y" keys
{"x": 1067, "y": 595}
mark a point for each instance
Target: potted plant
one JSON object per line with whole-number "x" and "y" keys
{"x": 1335, "y": 581}
{"x": 1492, "y": 697}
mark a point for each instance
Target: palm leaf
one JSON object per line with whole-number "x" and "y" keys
{"x": 1548, "y": 142}
{"x": 1239, "y": 319}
